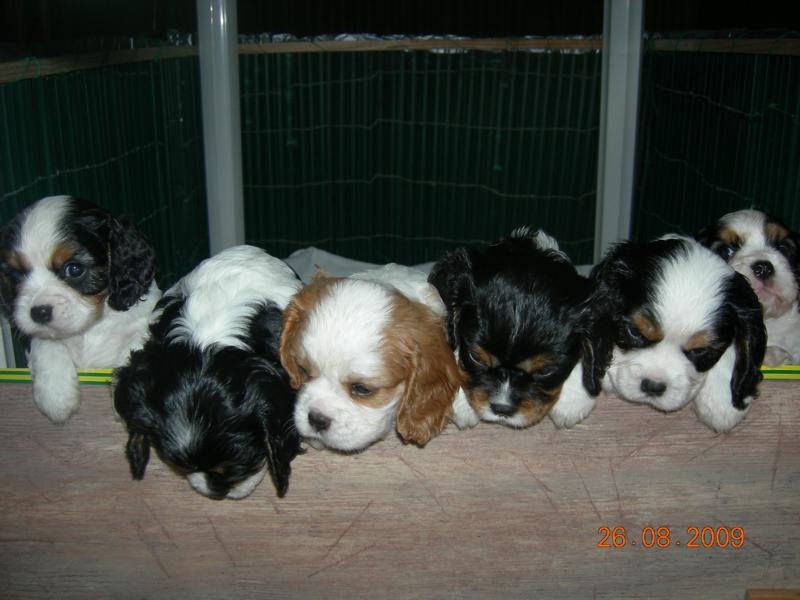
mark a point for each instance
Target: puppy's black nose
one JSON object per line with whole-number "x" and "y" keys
{"x": 763, "y": 269}
{"x": 318, "y": 421}
{"x": 42, "y": 314}
{"x": 653, "y": 388}
{"x": 503, "y": 410}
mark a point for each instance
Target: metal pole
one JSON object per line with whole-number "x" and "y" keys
{"x": 622, "y": 49}
{"x": 7, "y": 358}
{"x": 219, "y": 79}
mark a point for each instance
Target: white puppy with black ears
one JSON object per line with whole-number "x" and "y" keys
{"x": 671, "y": 324}
{"x": 79, "y": 283}
{"x": 767, "y": 253}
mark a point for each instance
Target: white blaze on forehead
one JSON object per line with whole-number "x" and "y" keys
{"x": 41, "y": 230}
{"x": 689, "y": 291}
{"x": 748, "y": 225}
{"x": 345, "y": 330}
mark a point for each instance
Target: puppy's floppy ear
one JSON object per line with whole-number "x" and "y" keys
{"x": 602, "y": 308}
{"x": 132, "y": 264}
{"x": 280, "y": 453}
{"x": 792, "y": 247}
{"x": 434, "y": 378}
{"x": 132, "y": 386}
{"x": 452, "y": 277}
{"x": 137, "y": 450}
{"x": 750, "y": 338}
{"x": 294, "y": 317}
{"x": 269, "y": 389}
{"x": 707, "y": 235}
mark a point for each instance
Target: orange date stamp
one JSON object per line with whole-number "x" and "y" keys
{"x": 662, "y": 537}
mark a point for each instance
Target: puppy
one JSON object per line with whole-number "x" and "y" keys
{"x": 765, "y": 251}
{"x": 672, "y": 324}
{"x": 207, "y": 391}
{"x": 79, "y": 283}
{"x": 368, "y": 355}
{"x": 514, "y": 321}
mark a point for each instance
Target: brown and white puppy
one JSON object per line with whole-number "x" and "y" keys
{"x": 767, "y": 253}
{"x": 367, "y": 358}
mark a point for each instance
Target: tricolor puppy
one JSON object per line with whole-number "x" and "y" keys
{"x": 514, "y": 320}
{"x": 673, "y": 324}
{"x": 368, "y": 355}
{"x": 79, "y": 283}
{"x": 765, "y": 251}
{"x": 207, "y": 391}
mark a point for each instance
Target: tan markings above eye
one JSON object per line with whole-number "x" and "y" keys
{"x": 775, "y": 232}
{"x": 534, "y": 363}
{"x": 487, "y": 359}
{"x": 699, "y": 340}
{"x": 729, "y": 236}
{"x": 61, "y": 255}
{"x": 647, "y": 328}
{"x": 17, "y": 262}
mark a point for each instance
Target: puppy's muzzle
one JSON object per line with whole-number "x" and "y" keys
{"x": 318, "y": 421}
{"x": 762, "y": 269}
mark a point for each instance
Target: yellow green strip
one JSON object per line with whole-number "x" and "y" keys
{"x": 88, "y": 376}
{"x": 784, "y": 372}
{"x": 103, "y": 376}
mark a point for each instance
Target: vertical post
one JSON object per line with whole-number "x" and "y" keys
{"x": 222, "y": 138}
{"x": 7, "y": 358}
{"x": 622, "y": 49}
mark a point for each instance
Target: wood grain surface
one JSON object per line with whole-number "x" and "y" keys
{"x": 485, "y": 513}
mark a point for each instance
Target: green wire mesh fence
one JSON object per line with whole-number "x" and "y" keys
{"x": 128, "y": 137}
{"x": 718, "y": 131}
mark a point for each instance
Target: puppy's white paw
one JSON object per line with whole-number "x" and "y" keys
{"x": 56, "y": 405}
{"x": 574, "y": 403}
{"x": 718, "y": 412}
{"x": 573, "y": 411}
{"x": 55, "y": 380}
{"x": 713, "y": 403}
{"x": 462, "y": 414}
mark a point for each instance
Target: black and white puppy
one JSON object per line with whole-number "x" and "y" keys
{"x": 207, "y": 391}
{"x": 514, "y": 314}
{"x": 79, "y": 283}
{"x": 767, "y": 252}
{"x": 672, "y": 323}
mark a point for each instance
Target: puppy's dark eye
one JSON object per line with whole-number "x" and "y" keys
{"x": 545, "y": 372}
{"x": 632, "y": 334}
{"x": 702, "y": 358}
{"x": 14, "y": 275}
{"x": 359, "y": 389}
{"x": 304, "y": 373}
{"x": 73, "y": 270}
{"x": 787, "y": 247}
{"x": 726, "y": 251}
{"x": 473, "y": 358}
